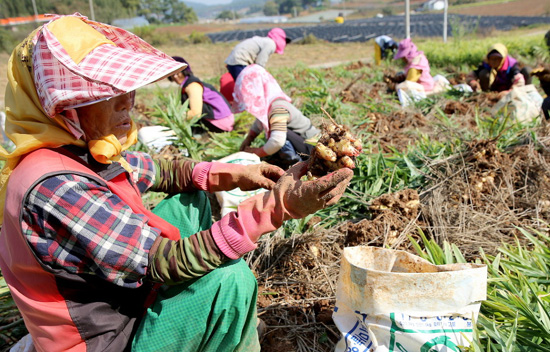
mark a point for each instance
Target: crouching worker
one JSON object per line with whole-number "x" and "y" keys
{"x": 204, "y": 100}
{"x": 417, "y": 67}
{"x": 256, "y": 50}
{"x": 499, "y": 72}
{"x": 415, "y": 82}
{"x": 83, "y": 257}
{"x": 286, "y": 129}
{"x": 383, "y": 46}
{"x": 543, "y": 74}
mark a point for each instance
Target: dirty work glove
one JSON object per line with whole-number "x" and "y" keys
{"x": 226, "y": 176}
{"x": 291, "y": 199}
{"x": 301, "y": 198}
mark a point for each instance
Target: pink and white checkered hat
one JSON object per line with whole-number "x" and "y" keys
{"x": 78, "y": 62}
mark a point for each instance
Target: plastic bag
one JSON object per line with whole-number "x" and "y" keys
{"x": 390, "y": 300}
{"x": 408, "y": 92}
{"x": 441, "y": 84}
{"x": 229, "y": 200}
{"x": 463, "y": 87}
{"x": 523, "y": 103}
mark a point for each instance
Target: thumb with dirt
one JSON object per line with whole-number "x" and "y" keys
{"x": 291, "y": 198}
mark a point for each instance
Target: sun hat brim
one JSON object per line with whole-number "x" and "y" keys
{"x": 117, "y": 63}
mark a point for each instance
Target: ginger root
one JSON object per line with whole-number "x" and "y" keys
{"x": 336, "y": 148}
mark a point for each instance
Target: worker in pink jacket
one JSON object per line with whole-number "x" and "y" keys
{"x": 89, "y": 266}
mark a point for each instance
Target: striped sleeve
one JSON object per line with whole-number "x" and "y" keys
{"x": 172, "y": 262}
{"x": 174, "y": 176}
{"x": 278, "y": 121}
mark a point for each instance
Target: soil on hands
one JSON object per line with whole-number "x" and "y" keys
{"x": 337, "y": 148}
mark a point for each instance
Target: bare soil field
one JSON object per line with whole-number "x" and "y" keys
{"x": 207, "y": 59}
{"x": 510, "y": 8}
{"x": 504, "y": 8}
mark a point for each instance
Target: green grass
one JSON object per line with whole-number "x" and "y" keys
{"x": 516, "y": 314}
{"x": 465, "y": 53}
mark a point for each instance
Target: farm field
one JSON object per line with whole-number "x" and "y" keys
{"x": 421, "y": 25}
{"x": 504, "y": 8}
{"x": 472, "y": 181}
{"x": 207, "y": 59}
{"x": 481, "y": 7}
{"x": 448, "y": 168}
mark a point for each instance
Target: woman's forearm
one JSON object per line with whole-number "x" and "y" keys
{"x": 194, "y": 92}
{"x": 173, "y": 176}
{"x": 173, "y": 262}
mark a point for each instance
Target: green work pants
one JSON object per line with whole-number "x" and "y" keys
{"x": 216, "y": 312}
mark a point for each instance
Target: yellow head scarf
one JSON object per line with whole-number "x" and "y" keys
{"x": 30, "y": 128}
{"x": 503, "y": 51}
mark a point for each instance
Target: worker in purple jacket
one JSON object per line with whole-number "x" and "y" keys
{"x": 204, "y": 100}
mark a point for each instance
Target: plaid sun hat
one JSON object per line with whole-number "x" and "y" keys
{"x": 78, "y": 62}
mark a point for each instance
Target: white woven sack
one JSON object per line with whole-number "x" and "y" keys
{"x": 409, "y": 92}
{"x": 389, "y": 300}
{"x": 523, "y": 103}
{"x": 229, "y": 200}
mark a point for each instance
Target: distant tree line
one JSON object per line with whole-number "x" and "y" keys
{"x": 156, "y": 11}
{"x": 228, "y": 15}
{"x": 280, "y": 7}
